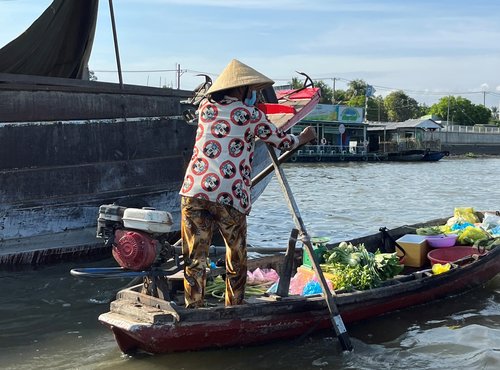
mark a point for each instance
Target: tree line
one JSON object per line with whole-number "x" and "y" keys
{"x": 397, "y": 106}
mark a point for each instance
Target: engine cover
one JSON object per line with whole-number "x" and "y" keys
{"x": 134, "y": 250}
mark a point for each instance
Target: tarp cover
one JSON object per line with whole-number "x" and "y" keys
{"x": 57, "y": 44}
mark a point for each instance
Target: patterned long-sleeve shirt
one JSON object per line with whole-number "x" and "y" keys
{"x": 221, "y": 166}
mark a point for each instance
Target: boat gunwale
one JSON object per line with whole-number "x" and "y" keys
{"x": 395, "y": 288}
{"x": 11, "y": 81}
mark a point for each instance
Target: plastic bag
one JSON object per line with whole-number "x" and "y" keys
{"x": 261, "y": 276}
{"x": 460, "y": 226}
{"x": 465, "y": 214}
{"x": 470, "y": 235}
{"x": 250, "y": 278}
{"x": 495, "y": 232}
{"x": 312, "y": 287}
{"x": 490, "y": 220}
{"x": 273, "y": 289}
{"x": 270, "y": 275}
{"x": 298, "y": 282}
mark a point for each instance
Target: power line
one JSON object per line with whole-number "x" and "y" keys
{"x": 135, "y": 71}
{"x": 378, "y": 87}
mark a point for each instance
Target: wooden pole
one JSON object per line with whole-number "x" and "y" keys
{"x": 286, "y": 274}
{"x": 337, "y": 322}
{"x": 115, "y": 39}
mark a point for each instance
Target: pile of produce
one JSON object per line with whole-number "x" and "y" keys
{"x": 353, "y": 267}
{"x": 470, "y": 231}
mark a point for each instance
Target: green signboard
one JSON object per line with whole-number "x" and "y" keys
{"x": 336, "y": 113}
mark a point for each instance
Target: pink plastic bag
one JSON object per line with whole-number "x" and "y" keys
{"x": 261, "y": 276}
{"x": 270, "y": 275}
{"x": 298, "y": 282}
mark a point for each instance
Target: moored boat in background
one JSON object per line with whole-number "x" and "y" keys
{"x": 417, "y": 155}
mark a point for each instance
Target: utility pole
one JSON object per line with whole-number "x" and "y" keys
{"x": 333, "y": 95}
{"x": 448, "y": 115}
{"x": 178, "y": 76}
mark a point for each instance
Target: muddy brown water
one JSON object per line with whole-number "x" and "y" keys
{"x": 48, "y": 319}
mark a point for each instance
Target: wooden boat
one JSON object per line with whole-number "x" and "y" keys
{"x": 406, "y": 156}
{"x": 434, "y": 155}
{"x": 143, "y": 322}
{"x": 69, "y": 145}
{"x": 417, "y": 155}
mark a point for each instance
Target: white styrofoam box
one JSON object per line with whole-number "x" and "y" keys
{"x": 149, "y": 220}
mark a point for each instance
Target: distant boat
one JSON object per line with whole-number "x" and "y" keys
{"x": 69, "y": 145}
{"x": 359, "y": 141}
{"x": 432, "y": 156}
{"x": 417, "y": 155}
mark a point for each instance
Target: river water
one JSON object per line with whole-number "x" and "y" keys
{"x": 48, "y": 319}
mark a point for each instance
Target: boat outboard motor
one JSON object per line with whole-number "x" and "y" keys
{"x": 139, "y": 241}
{"x": 138, "y": 236}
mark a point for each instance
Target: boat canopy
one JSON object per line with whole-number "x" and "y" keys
{"x": 57, "y": 44}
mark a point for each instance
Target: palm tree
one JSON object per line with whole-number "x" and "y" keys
{"x": 494, "y": 112}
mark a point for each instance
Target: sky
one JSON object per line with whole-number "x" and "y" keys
{"x": 427, "y": 48}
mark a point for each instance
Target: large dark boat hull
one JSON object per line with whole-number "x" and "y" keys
{"x": 67, "y": 147}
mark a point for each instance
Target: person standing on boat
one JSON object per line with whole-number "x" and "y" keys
{"x": 216, "y": 188}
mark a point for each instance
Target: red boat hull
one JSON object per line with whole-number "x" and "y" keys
{"x": 292, "y": 317}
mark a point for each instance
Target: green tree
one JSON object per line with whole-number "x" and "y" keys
{"x": 376, "y": 110}
{"x": 326, "y": 92}
{"x": 481, "y": 114}
{"x": 494, "y": 112}
{"x": 460, "y": 111}
{"x": 340, "y": 97}
{"x": 356, "y": 88}
{"x": 495, "y": 117}
{"x": 296, "y": 83}
{"x": 356, "y": 101}
{"x": 400, "y": 106}
{"x": 422, "y": 110}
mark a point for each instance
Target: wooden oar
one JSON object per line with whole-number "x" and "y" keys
{"x": 337, "y": 322}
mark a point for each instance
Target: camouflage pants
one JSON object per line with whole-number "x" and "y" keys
{"x": 198, "y": 218}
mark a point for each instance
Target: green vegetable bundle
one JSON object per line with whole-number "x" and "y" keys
{"x": 430, "y": 230}
{"x": 354, "y": 267}
{"x": 217, "y": 288}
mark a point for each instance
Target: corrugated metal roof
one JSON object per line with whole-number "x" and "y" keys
{"x": 411, "y": 123}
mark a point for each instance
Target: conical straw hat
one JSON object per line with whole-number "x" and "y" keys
{"x": 238, "y": 74}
